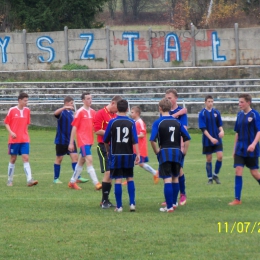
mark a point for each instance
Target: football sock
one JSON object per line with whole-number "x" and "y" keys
{"x": 258, "y": 181}
{"x": 118, "y": 194}
{"x": 56, "y": 171}
{"x": 131, "y": 192}
{"x": 92, "y": 174}
{"x": 218, "y": 166}
{"x": 106, "y": 187}
{"x": 175, "y": 192}
{"x": 168, "y": 193}
{"x": 182, "y": 184}
{"x": 238, "y": 187}
{"x": 73, "y": 165}
{"x": 11, "y": 171}
{"x": 209, "y": 169}
{"x": 27, "y": 170}
{"x": 76, "y": 173}
{"x": 148, "y": 168}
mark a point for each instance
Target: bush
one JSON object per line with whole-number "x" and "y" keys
{"x": 74, "y": 66}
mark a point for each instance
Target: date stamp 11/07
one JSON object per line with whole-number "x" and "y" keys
{"x": 239, "y": 227}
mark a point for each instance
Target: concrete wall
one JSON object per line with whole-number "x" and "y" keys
{"x": 104, "y": 48}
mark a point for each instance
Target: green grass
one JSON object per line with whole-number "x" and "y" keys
{"x": 53, "y": 222}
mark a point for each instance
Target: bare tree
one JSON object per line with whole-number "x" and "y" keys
{"x": 112, "y": 8}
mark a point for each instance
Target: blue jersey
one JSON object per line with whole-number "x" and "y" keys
{"x": 247, "y": 126}
{"x": 64, "y": 120}
{"x": 168, "y": 131}
{"x": 211, "y": 121}
{"x": 183, "y": 118}
{"x": 122, "y": 135}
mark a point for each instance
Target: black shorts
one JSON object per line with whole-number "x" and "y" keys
{"x": 249, "y": 162}
{"x": 62, "y": 149}
{"x": 121, "y": 173}
{"x": 102, "y": 155}
{"x": 212, "y": 149}
{"x": 169, "y": 169}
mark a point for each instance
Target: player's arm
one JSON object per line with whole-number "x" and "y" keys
{"x": 251, "y": 147}
{"x": 141, "y": 135}
{"x": 206, "y": 133}
{"x": 107, "y": 148}
{"x": 11, "y": 133}
{"x": 137, "y": 158}
{"x": 221, "y": 132}
{"x": 186, "y": 147}
{"x": 235, "y": 144}
{"x": 181, "y": 112}
{"x": 59, "y": 110}
{"x": 98, "y": 122}
{"x": 155, "y": 147}
{"x": 72, "y": 137}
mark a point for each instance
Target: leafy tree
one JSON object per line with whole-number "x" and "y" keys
{"x": 53, "y": 15}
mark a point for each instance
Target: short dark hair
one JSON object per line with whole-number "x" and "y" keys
{"x": 247, "y": 97}
{"x": 173, "y": 91}
{"x": 116, "y": 98}
{"x": 208, "y": 97}
{"x": 137, "y": 109}
{"x": 68, "y": 99}
{"x": 165, "y": 104}
{"x": 122, "y": 105}
{"x": 84, "y": 94}
{"x": 23, "y": 95}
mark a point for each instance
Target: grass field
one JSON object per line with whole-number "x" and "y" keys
{"x": 53, "y": 222}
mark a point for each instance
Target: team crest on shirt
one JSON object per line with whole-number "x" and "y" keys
{"x": 250, "y": 119}
{"x": 215, "y": 115}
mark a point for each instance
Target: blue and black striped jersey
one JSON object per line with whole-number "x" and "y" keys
{"x": 211, "y": 121}
{"x": 122, "y": 135}
{"x": 168, "y": 132}
{"x": 63, "y": 131}
{"x": 183, "y": 118}
{"x": 247, "y": 126}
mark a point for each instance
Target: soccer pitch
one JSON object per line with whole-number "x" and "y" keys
{"x": 51, "y": 221}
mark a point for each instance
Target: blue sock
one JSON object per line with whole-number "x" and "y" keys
{"x": 56, "y": 171}
{"x": 175, "y": 192}
{"x": 131, "y": 192}
{"x": 118, "y": 194}
{"x": 168, "y": 193}
{"x": 73, "y": 165}
{"x": 258, "y": 181}
{"x": 238, "y": 187}
{"x": 182, "y": 184}
{"x": 209, "y": 169}
{"x": 218, "y": 166}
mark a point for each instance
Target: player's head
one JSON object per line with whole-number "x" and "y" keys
{"x": 172, "y": 95}
{"x": 245, "y": 101}
{"x": 209, "y": 102}
{"x": 122, "y": 106}
{"x": 112, "y": 107}
{"x": 86, "y": 99}
{"x": 135, "y": 112}
{"x": 23, "y": 99}
{"x": 68, "y": 101}
{"x": 165, "y": 105}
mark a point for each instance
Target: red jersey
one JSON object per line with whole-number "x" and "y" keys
{"x": 103, "y": 116}
{"x": 142, "y": 142}
{"x": 18, "y": 120}
{"x": 83, "y": 121}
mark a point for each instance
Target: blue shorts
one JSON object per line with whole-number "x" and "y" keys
{"x": 18, "y": 148}
{"x": 85, "y": 150}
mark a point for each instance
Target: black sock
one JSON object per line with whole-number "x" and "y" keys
{"x": 106, "y": 187}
